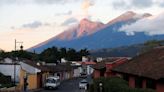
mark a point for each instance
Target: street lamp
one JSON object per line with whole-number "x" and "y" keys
{"x": 101, "y": 87}
{"x": 20, "y": 44}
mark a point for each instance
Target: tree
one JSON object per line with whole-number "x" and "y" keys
{"x": 151, "y": 44}
{"x": 50, "y": 55}
{"x": 71, "y": 54}
{"x": 63, "y": 52}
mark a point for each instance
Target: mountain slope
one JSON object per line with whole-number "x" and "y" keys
{"x": 84, "y": 28}
{"x": 93, "y": 35}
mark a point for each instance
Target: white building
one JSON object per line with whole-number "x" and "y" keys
{"x": 9, "y": 69}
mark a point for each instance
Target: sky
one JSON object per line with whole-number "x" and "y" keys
{"x": 34, "y": 21}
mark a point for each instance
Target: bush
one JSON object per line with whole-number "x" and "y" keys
{"x": 114, "y": 85}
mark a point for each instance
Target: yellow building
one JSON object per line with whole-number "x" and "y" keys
{"x": 33, "y": 74}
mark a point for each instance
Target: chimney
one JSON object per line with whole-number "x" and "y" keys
{"x": 38, "y": 64}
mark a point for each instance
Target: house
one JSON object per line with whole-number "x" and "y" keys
{"x": 145, "y": 70}
{"x": 77, "y": 70}
{"x": 32, "y": 73}
{"x": 63, "y": 70}
{"x": 103, "y": 68}
{"x": 35, "y": 74}
{"x": 10, "y": 67}
{"x": 87, "y": 67}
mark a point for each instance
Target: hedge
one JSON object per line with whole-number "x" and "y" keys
{"x": 114, "y": 85}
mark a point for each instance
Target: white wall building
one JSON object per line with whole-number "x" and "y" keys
{"x": 8, "y": 70}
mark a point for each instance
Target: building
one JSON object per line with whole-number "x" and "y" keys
{"x": 63, "y": 70}
{"x": 87, "y": 67}
{"x": 104, "y": 67}
{"x": 145, "y": 70}
{"x": 10, "y": 67}
{"x": 76, "y": 68}
{"x": 35, "y": 74}
{"x": 32, "y": 73}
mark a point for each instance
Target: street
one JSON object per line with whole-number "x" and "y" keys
{"x": 67, "y": 86}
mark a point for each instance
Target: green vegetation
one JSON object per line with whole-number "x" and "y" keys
{"x": 49, "y": 55}
{"x": 54, "y": 54}
{"x": 5, "y": 81}
{"x": 152, "y": 44}
{"x": 114, "y": 85}
{"x": 127, "y": 51}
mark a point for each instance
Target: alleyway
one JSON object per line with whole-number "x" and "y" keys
{"x": 67, "y": 86}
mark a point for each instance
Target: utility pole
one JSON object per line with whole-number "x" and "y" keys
{"x": 15, "y": 49}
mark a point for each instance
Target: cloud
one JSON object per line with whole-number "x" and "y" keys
{"x": 66, "y": 13}
{"x": 142, "y": 3}
{"x": 50, "y": 1}
{"x": 34, "y": 24}
{"x": 120, "y": 4}
{"x": 69, "y": 21}
{"x": 86, "y": 4}
{"x": 126, "y": 4}
{"x": 150, "y": 26}
{"x": 6, "y": 2}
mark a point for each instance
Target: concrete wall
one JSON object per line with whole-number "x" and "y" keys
{"x": 76, "y": 72}
{"x": 159, "y": 87}
{"x": 96, "y": 73}
{"x": 31, "y": 80}
{"x": 89, "y": 70}
{"x": 8, "y": 69}
{"x": 132, "y": 82}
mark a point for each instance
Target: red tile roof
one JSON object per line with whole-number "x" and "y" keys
{"x": 50, "y": 68}
{"x": 88, "y": 63}
{"x": 149, "y": 64}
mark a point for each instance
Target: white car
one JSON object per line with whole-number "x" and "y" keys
{"x": 83, "y": 84}
{"x": 52, "y": 82}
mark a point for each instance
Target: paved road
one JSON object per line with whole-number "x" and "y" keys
{"x": 67, "y": 86}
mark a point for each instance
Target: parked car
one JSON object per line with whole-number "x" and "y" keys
{"x": 83, "y": 84}
{"x": 83, "y": 75}
{"x": 52, "y": 82}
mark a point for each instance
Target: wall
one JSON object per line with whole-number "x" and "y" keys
{"x": 131, "y": 82}
{"x": 76, "y": 72}
{"x": 31, "y": 79}
{"x": 96, "y": 73}
{"x": 159, "y": 87}
{"x": 8, "y": 69}
{"x": 89, "y": 69}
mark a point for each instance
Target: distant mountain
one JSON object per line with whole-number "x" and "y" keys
{"x": 84, "y": 28}
{"x": 96, "y": 35}
{"x": 128, "y": 16}
{"x": 126, "y": 51}
{"x": 123, "y": 51}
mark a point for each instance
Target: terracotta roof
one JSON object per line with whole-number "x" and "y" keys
{"x": 149, "y": 64}
{"x": 50, "y": 68}
{"x": 34, "y": 64}
{"x": 103, "y": 63}
{"x": 99, "y": 65}
{"x": 59, "y": 68}
{"x": 88, "y": 63}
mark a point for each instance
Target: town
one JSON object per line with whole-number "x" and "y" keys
{"x": 81, "y": 45}
{"x": 142, "y": 73}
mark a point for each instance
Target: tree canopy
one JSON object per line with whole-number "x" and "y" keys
{"x": 52, "y": 55}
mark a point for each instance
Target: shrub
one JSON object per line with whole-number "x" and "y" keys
{"x": 114, "y": 84}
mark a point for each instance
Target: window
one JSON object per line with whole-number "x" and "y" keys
{"x": 51, "y": 81}
{"x": 126, "y": 77}
{"x": 138, "y": 82}
{"x": 150, "y": 84}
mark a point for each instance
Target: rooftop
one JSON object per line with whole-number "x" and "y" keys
{"x": 149, "y": 64}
